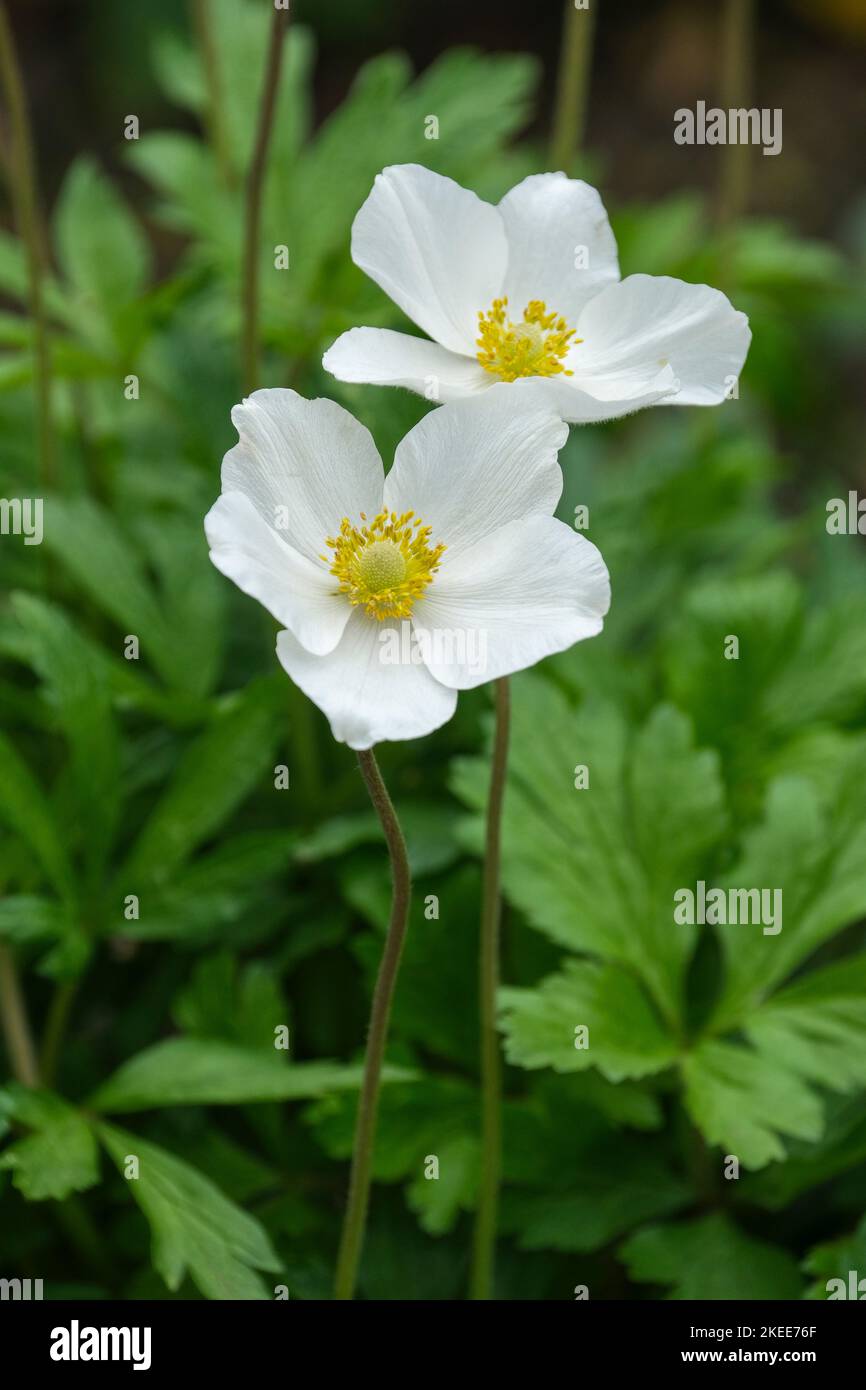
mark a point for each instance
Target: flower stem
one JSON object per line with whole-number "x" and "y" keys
{"x": 214, "y": 109}
{"x": 55, "y": 1028}
{"x": 481, "y": 1286}
{"x": 736, "y": 91}
{"x": 572, "y": 85}
{"x": 16, "y": 1028}
{"x": 365, "y": 1130}
{"x": 24, "y": 199}
{"x": 253, "y": 210}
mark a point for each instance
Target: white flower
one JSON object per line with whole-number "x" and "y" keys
{"x": 530, "y": 288}
{"x": 457, "y": 549}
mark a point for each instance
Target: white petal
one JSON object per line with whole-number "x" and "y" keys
{"x": 560, "y": 245}
{"x": 647, "y": 322}
{"x": 435, "y": 248}
{"x": 367, "y": 698}
{"x": 470, "y": 467}
{"x": 529, "y": 589}
{"x": 309, "y": 460}
{"x": 295, "y": 590}
{"x": 576, "y": 405}
{"x": 385, "y": 358}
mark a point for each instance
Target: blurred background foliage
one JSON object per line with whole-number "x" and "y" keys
{"x": 263, "y": 908}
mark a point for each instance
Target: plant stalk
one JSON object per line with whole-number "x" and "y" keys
{"x": 250, "y": 348}
{"x": 214, "y": 111}
{"x": 572, "y": 85}
{"x": 736, "y": 80}
{"x": 25, "y": 204}
{"x": 484, "y": 1243}
{"x": 365, "y": 1130}
{"x": 16, "y": 1026}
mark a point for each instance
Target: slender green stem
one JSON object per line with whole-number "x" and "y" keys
{"x": 253, "y": 210}
{"x": 481, "y": 1286}
{"x": 214, "y": 112}
{"x": 25, "y": 202}
{"x": 16, "y": 1027}
{"x": 365, "y": 1131}
{"x": 736, "y": 76}
{"x": 55, "y": 1028}
{"x": 572, "y": 84}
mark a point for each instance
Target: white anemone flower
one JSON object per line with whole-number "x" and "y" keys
{"x": 397, "y": 592}
{"x": 530, "y": 288}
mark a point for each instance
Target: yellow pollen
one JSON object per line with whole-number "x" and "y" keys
{"x": 385, "y": 564}
{"x": 533, "y": 347}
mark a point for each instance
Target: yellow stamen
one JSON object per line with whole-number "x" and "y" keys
{"x": 533, "y": 347}
{"x": 386, "y": 564}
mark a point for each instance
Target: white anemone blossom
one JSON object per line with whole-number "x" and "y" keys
{"x": 530, "y": 288}
{"x": 396, "y": 592}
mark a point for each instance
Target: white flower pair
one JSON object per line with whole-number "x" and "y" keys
{"x": 533, "y": 328}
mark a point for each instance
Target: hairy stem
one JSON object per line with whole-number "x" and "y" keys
{"x": 572, "y": 85}
{"x": 25, "y": 203}
{"x": 253, "y": 210}
{"x": 365, "y": 1131}
{"x": 481, "y": 1286}
{"x": 16, "y": 1027}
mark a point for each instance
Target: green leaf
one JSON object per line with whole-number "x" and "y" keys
{"x": 416, "y": 1117}
{"x": 25, "y": 810}
{"x": 710, "y": 1258}
{"x": 596, "y": 868}
{"x": 437, "y": 1200}
{"x": 197, "y": 1071}
{"x": 835, "y": 1260}
{"x": 90, "y": 544}
{"x": 102, "y": 250}
{"x": 817, "y": 1026}
{"x": 25, "y": 917}
{"x": 744, "y": 1101}
{"x": 816, "y": 857}
{"x": 626, "y": 1038}
{"x": 60, "y": 1157}
{"x": 81, "y": 700}
{"x": 613, "y": 1189}
{"x": 218, "y": 770}
{"x": 194, "y": 1227}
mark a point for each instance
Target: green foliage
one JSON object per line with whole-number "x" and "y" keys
{"x": 167, "y": 906}
{"x": 194, "y": 1227}
{"x": 710, "y": 1258}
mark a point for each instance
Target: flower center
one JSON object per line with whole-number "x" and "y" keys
{"x": 533, "y": 347}
{"x": 384, "y": 565}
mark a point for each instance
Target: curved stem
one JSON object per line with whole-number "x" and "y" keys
{"x": 481, "y": 1286}
{"x": 24, "y": 198}
{"x": 16, "y": 1028}
{"x": 572, "y": 85}
{"x": 365, "y": 1129}
{"x": 253, "y": 211}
